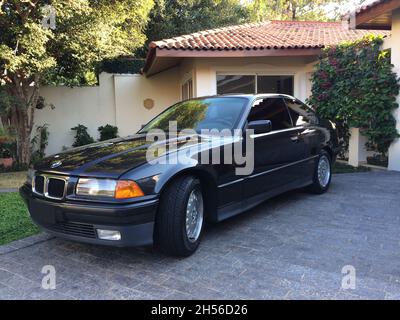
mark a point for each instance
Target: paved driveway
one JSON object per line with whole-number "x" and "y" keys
{"x": 291, "y": 247}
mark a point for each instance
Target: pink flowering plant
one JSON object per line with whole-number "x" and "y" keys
{"x": 354, "y": 85}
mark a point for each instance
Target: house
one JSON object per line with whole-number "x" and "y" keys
{"x": 273, "y": 56}
{"x": 382, "y": 15}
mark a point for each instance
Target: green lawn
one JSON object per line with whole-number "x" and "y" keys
{"x": 15, "y": 222}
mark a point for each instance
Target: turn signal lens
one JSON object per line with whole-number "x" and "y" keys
{"x": 127, "y": 189}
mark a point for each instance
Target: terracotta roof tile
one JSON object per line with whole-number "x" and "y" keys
{"x": 266, "y": 35}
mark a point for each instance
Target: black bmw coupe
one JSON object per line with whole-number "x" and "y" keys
{"x": 201, "y": 160}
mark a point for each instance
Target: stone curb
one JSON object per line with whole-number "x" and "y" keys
{"x": 5, "y": 190}
{"x": 26, "y": 242}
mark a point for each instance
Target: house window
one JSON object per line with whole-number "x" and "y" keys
{"x": 254, "y": 84}
{"x": 235, "y": 84}
{"x": 275, "y": 84}
{"x": 187, "y": 90}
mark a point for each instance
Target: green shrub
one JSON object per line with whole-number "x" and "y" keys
{"x": 82, "y": 137}
{"x": 354, "y": 86}
{"x": 8, "y": 147}
{"x": 121, "y": 65}
{"x": 5, "y": 151}
{"x": 108, "y": 132}
{"x": 40, "y": 142}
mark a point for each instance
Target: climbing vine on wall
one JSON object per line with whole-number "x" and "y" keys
{"x": 354, "y": 86}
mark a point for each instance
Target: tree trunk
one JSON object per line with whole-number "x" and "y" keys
{"x": 24, "y": 147}
{"x": 21, "y": 114}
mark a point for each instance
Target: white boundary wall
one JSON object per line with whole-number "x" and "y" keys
{"x": 117, "y": 100}
{"x": 394, "y": 150}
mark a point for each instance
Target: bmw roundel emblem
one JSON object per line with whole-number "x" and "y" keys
{"x": 56, "y": 164}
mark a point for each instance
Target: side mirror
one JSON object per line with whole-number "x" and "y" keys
{"x": 260, "y": 126}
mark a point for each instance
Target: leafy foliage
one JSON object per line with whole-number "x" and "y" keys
{"x": 170, "y": 18}
{"x": 121, "y": 65}
{"x": 5, "y": 151}
{"x": 32, "y": 52}
{"x": 108, "y": 132}
{"x": 354, "y": 86}
{"x": 7, "y": 144}
{"x": 261, "y": 10}
{"x": 40, "y": 142}
{"x": 82, "y": 136}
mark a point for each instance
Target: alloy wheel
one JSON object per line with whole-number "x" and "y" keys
{"x": 194, "y": 215}
{"x": 324, "y": 171}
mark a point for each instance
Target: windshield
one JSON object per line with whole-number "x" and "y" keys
{"x": 210, "y": 113}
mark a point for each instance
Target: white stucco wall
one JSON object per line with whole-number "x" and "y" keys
{"x": 90, "y": 106}
{"x": 206, "y": 70}
{"x": 118, "y": 100}
{"x": 394, "y": 150}
{"x": 132, "y": 90}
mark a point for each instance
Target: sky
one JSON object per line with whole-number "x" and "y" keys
{"x": 346, "y": 7}
{"x": 349, "y": 6}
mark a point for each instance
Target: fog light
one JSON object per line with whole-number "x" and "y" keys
{"x": 109, "y": 234}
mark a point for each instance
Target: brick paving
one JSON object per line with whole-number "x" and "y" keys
{"x": 291, "y": 247}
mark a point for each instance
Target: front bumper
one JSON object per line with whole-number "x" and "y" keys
{"x": 80, "y": 221}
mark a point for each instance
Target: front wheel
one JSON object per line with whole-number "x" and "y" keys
{"x": 180, "y": 218}
{"x": 322, "y": 174}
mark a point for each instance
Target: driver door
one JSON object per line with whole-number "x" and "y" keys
{"x": 276, "y": 151}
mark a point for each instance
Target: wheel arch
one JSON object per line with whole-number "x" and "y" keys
{"x": 329, "y": 150}
{"x": 208, "y": 185}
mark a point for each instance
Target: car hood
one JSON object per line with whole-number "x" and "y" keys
{"x": 108, "y": 159}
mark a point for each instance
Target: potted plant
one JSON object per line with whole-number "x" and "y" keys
{"x": 6, "y": 159}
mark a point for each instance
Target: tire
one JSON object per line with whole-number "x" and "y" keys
{"x": 172, "y": 237}
{"x": 321, "y": 182}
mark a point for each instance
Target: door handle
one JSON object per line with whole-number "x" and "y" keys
{"x": 294, "y": 138}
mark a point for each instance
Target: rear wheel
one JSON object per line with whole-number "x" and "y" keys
{"x": 322, "y": 174}
{"x": 180, "y": 218}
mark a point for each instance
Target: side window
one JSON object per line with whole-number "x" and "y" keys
{"x": 301, "y": 114}
{"x": 187, "y": 90}
{"x": 273, "y": 109}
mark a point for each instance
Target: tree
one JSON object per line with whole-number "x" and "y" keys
{"x": 262, "y": 10}
{"x": 170, "y": 18}
{"x": 42, "y": 39}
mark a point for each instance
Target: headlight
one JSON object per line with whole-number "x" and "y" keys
{"x": 118, "y": 189}
{"x": 30, "y": 175}
{"x": 96, "y": 187}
